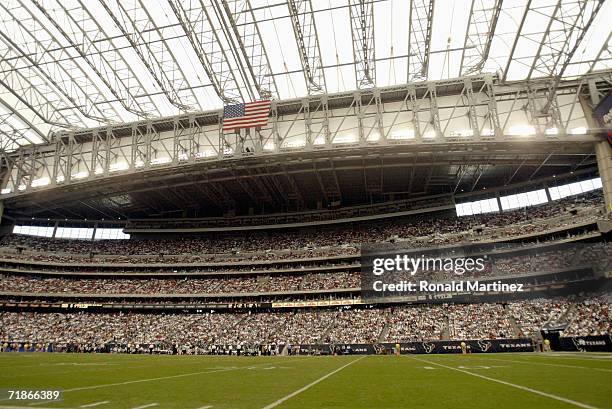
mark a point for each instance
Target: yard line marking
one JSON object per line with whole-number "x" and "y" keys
{"x": 513, "y": 385}
{"x": 91, "y": 405}
{"x": 83, "y": 369}
{"x": 83, "y": 388}
{"x": 575, "y": 357}
{"x": 547, "y": 364}
{"x": 106, "y": 385}
{"x": 183, "y": 375}
{"x": 150, "y": 405}
{"x": 69, "y": 372}
{"x": 310, "y": 385}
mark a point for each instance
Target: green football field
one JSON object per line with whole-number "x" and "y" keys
{"x": 411, "y": 381}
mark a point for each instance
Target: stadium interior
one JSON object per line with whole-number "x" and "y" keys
{"x": 188, "y": 177}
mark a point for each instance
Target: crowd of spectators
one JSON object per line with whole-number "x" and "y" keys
{"x": 153, "y": 286}
{"x": 416, "y": 324}
{"x": 99, "y": 329}
{"x": 11, "y": 251}
{"x": 303, "y": 327}
{"x": 339, "y": 325}
{"x": 356, "y": 326}
{"x": 308, "y": 242}
{"x": 590, "y": 317}
{"x": 127, "y": 301}
{"x": 99, "y": 286}
{"x": 478, "y": 321}
{"x": 530, "y": 316}
{"x": 575, "y": 255}
{"x": 312, "y": 326}
{"x": 513, "y": 264}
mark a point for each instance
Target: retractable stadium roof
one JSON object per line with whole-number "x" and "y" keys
{"x": 74, "y": 64}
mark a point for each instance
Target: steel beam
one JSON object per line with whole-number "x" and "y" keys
{"x": 243, "y": 25}
{"x": 136, "y": 24}
{"x": 482, "y": 23}
{"x": 29, "y": 39}
{"x": 429, "y": 114}
{"x": 420, "y": 22}
{"x": 99, "y": 52}
{"x": 362, "y": 30}
{"x": 305, "y": 30}
{"x": 202, "y": 31}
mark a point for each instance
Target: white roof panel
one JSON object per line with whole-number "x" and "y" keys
{"x": 73, "y": 64}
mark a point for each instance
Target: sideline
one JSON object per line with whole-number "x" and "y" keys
{"x": 546, "y": 364}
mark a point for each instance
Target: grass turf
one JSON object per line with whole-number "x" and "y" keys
{"x": 410, "y": 381}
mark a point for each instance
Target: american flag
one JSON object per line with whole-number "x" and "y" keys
{"x": 249, "y": 115}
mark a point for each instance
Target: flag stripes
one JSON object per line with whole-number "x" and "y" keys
{"x": 249, "y": 115}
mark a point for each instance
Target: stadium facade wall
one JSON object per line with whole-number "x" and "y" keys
{"x": 600, "y": 343}
{"x": 425, "y": 347}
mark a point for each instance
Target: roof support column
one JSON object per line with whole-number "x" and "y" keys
{"x": 550, "y": 199}
{"x": 360, "y": 115}
{"x": 472, "y": 116}
{"x": 326, "y": 115}
{"x": 603, "y": 152}
{"x": 307, "y": 124}
{"x": 276, "y": 138}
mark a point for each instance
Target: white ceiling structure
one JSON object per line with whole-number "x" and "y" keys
{"x": 74, "y": 64}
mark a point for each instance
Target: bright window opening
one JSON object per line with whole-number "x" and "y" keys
{"x": 80, "y": 233}
{"x": 573, "y": 189}
{"x": 521, "y": 200}
{"x": 111, "y": 234}
{"x": 41, "y": 231}
{"x": 477, "y": 207}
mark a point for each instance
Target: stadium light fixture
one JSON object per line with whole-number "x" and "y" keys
{"x": 462, "y": 133}
{"x": 522, "y": 130}
{"x": 552, "y": 131}
{"x": 581, "y": 130}
{"x": 6, "y": 191}
{"x": 269, "y": 146}
{"x": 429, "y": 135}
{"x": 41, "y": 182}
{"x": 139, "y": 163}
{"x": 319, "y": 140}
{"x": 374, "y": 136}
{"x": 160, "y": 161}
{"x": 115, "y": 167}
{"x": 21, "y": 187}
{"x": 206, "y": 154}
{"x": 348, "y": 138}
{"x": 80, "y": 175}
{"x": 403, "y": 134}
{"x": 296, "y": 143}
